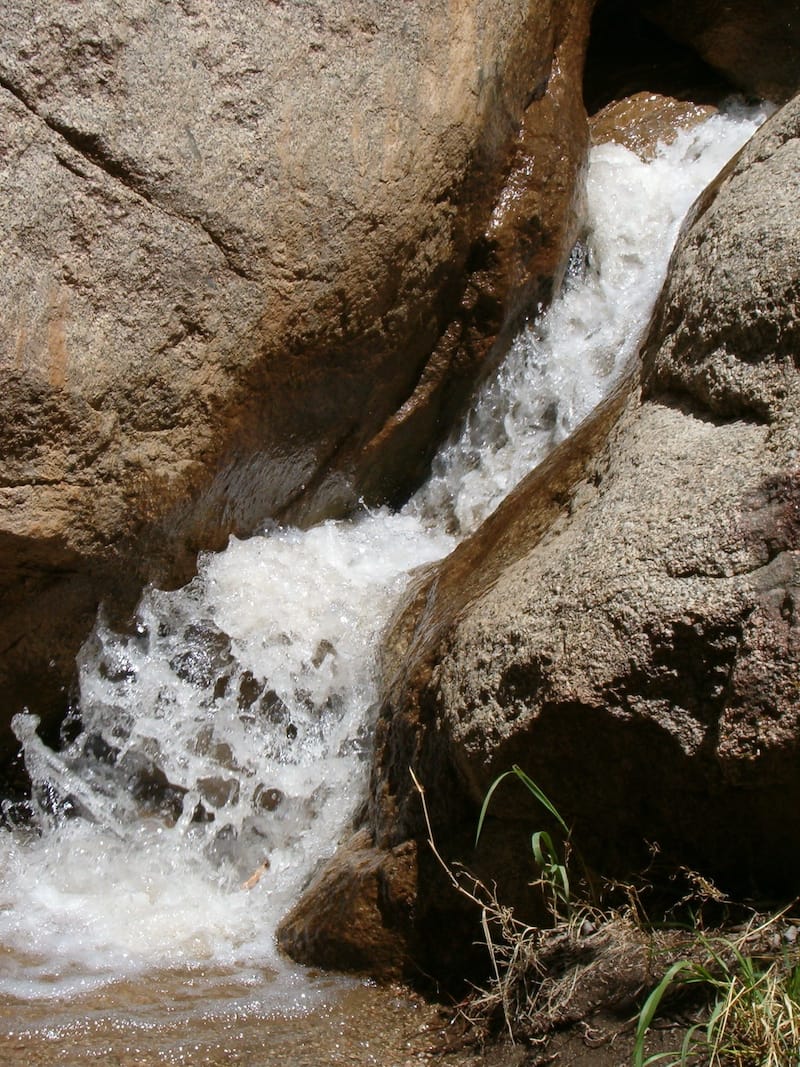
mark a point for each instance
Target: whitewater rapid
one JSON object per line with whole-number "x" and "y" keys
{"x": 226, "y": 741}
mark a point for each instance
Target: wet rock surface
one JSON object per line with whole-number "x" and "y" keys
{"x": 348, "y": 917}
{"x": 625, "y": 626}
{"x": 642, "y": 121}
{"x": 254, "y": 258}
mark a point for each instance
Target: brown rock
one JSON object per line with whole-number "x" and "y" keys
{"x": 357, "y": 914}
{"x": 643, "y": 121}
{"x": 737, "y": 357}
{"x": 254, "y": 256}
{"x": 756, "y": 45}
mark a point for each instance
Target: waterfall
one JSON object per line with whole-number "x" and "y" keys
{"x": 225, "y": 742}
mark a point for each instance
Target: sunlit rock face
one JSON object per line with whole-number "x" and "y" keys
{"x": 254, "y": 256}
{"x": 643, "y": 121}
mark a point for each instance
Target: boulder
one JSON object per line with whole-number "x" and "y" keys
{"x": 628, "y": 54}
{"x": 625, "y": 627}
{"x": 756, "y": 46}
{"x": 357, "y": 915}
{"x": 254, "y": 258}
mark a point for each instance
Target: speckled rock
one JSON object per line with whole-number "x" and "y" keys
{"x": 254, "y": 256}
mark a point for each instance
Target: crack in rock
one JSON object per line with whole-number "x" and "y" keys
{"x": 91, "y": 148}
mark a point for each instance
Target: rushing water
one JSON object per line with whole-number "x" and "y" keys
{"x": 220, "y": 751}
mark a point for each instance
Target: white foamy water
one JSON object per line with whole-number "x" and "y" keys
{"x": 232, "y": 727}
{"x": 565, "y": 363}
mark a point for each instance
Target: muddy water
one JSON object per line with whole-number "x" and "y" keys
{"x": 171, "y": 1021}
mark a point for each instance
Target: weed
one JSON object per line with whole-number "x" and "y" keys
{"x": 553, "y": 875}
{"x": 754, "y": 1016}
{"x": 544, "y": 978}
{"x": 591, "y": 960}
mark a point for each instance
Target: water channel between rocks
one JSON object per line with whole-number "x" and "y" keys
{"x": 234, "y": 725}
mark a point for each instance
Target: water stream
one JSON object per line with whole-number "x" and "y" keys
{"x": 220, "y": 751}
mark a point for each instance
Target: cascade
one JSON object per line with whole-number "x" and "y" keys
{"x": 225, "y": 741}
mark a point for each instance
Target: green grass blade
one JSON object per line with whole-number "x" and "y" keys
{"x": 689, "y": 1041}
{"x": 532, "y": 787}
{"x": 793, "y": 984}
{"x": 650, "y": 1007}
{"x": 553, "y": 871}
{"x": 543, "y": 849}
{"x": 486, "y": 800}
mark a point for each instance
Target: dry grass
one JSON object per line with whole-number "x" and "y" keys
{"x": 544, "y": 978}
{"x": 751, "y": 983}
{"x": 593, "y": 960}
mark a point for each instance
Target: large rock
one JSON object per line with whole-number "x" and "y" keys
{"x": 699, "y": 51}
{"x": 755, "y": 45}
{"x": 254, "y": 255}
{"x": 626, "y": 627}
